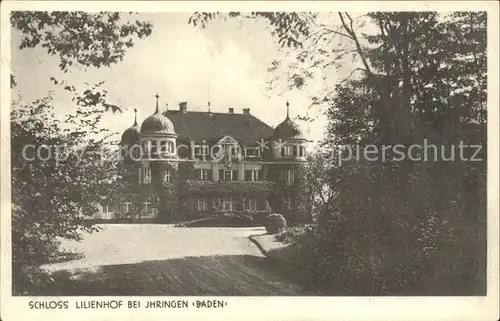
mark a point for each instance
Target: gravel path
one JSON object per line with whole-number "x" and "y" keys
{"x": 150, "y": 259}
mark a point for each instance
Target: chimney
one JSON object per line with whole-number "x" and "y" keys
{"x": 183, "y": 107}
{"x": 231, "y": 110}
{"x": 246, "y": 112}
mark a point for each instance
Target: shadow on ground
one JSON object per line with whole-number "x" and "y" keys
{"x": 224, "y": 275}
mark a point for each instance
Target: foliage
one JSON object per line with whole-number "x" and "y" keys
{"x": 52, "y": 197}
{"x": 317, "y": 191}
{"x": 423, "y": 216}
{"x": 53, "y": 191}
{"x": 399, "y": 227}
{"x": 275, "y": 223}
{"x": 292, "y": 233}
{"x": 80, "y": 40}
{"x": 290, "y": 28}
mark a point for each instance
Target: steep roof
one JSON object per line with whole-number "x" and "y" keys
{"x": 199, "y": 126}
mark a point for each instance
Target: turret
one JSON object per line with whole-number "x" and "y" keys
{"x": 288, "y": 141}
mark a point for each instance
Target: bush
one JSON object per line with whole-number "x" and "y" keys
{"x": 396, "y": 241}
{"x": 275, "y": 223}
{"x": 291, "y": 234}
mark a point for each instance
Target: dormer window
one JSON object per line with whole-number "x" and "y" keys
{"x": 252, "y": 152}
{"x": 230, "y": 149}
{"x": 200, "y": 151}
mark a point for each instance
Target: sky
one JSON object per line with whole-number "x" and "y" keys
{"x": 226, "y": 63}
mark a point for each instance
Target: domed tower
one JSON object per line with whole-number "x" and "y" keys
{"x": 130, "y": 138}
{"x": 288, "y": 142}
{"x": 158, "y": 166}
{"x": 129, "y": 148}
{"x": 288, "y": 146}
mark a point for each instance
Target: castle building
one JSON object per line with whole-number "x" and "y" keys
{"x": 181, "y": 165}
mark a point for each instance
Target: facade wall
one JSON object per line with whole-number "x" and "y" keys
{"x": 171, "y": 191}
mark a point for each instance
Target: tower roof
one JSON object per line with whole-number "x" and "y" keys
{"x": 288, "y": 129}
{"x": 157, "y": 123}
{"x": 131, "y": 135}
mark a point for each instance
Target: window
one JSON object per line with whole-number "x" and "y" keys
{"x": 232, "y": 151}
{"x": 252, "y": 152}
{"x": 228, "y": 149}
{"x": 126, "y": 207}
{"x": 202, "y": 174}
{"x": 200, "y": 151}
{"x": 167, "y": 147}
{"x": 147, "y": 207}
{"x": 250, "y": 204}
{"x": 287, "y": 150}
{"x": 146, "y": 146}
{"x": 201, "y": 204}
{"x": 253, "y": 175}
{"x": 153, "y": 147}
{"x": 108, "y": 208}
{"x": 167, "y": 178}
{"x": 289, "y": 177}
{"x": 302, "y": 151}
{"x": 227, "y": 204}
{"x": 288, "y": 202}
{"x": 228, "y": 175}
{"x": 146, "y": 175}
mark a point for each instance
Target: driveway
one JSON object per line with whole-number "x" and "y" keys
{"x": 149, "y": 259}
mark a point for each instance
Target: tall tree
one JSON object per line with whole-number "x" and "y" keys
{"x": 415, "y": 76}
{"x": 58, "y": 174}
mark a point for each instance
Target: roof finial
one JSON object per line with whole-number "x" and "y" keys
{"x": 287, "y": 110}
{"x": 209, "y": 106}
{"x": 135, "y": 117}
{"x": 166, "y": 107}
{"x": 157, "y": 109}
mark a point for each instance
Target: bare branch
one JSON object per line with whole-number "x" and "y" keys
{"x": 350, "y": 75}
{"x": 340, "y": 34}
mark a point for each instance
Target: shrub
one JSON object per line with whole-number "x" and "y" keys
{"x": 291, "y": 234}
{"x": 275, "y": 223}
{"x": 396, "y": 241}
